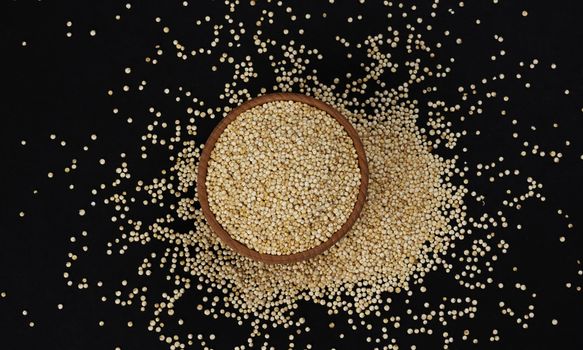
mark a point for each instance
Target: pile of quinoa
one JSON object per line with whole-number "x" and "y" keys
{"x": 410, "y": 218}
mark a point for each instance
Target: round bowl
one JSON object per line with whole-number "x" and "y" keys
{"x": 238, "y": 246}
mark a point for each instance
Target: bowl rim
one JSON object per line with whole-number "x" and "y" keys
{"x": 239, "y": 247}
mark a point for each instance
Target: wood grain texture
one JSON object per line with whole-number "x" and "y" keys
{"x": 202, "y": 172}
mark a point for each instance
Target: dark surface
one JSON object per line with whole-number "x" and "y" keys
{"x": 58, "y": 85}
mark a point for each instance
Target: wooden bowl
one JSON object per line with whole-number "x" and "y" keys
{"x": 202, "y": 172}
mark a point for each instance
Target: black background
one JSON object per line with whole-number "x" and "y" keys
{"x": 58, "y": 85}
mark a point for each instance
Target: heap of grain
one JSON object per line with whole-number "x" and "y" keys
{"x": 410, "y": 218}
